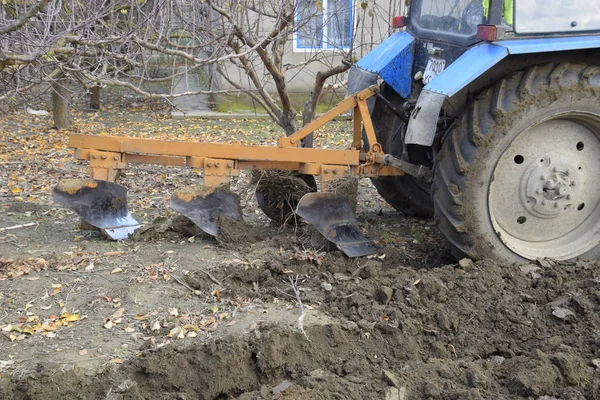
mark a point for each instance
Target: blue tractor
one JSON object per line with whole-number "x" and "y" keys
{"x": 501, "y": 99}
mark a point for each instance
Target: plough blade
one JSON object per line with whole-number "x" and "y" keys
{"x": 99, "y": 203}
{"x": 204, "y": 205}
{"x": 333, "y": 217}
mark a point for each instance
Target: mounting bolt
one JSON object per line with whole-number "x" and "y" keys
{"x": 116, "y": 158}
{"x": 229, "y": 164}
{"x": 327, "y": 170}
{"x": 218, "y": 164}
{"x": 103, "y": 157}
{"x": 209, "y": 164}
{"x": 293, "y": 141}
{"x": 94, "y": 156}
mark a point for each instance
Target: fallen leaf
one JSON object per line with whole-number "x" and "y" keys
{"x": 173, "y": 311}
{"x": 117, "y": 361}
{"x": 119, "y": 313}
{"x": 28, "y": 330}
{"x": 32, "y": 278}
{"x": 109, "y": 324}
{"x": 83, "y": 352}
{"x": 116, "y": 270}
{"x": 155, "y": 326}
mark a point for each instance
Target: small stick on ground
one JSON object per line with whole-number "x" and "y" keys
{"x": 294, "y": 285}
{"x": 182, "y": 283}
{"x": 212, "y": 277}
{"x": 8, "y": 228}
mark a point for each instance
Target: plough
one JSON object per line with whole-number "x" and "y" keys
{"x": 102, "y": 203}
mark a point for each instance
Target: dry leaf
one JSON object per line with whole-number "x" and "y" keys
{"x": 117, "y": 361}
{"x": 155, "y": 326}
{"x": 173, "y": 311}
{"x": 116, "y": 271}
{"x": 119, "y": 313}
{"x": 83, "y": 352}
{"x": 109, "y": 324}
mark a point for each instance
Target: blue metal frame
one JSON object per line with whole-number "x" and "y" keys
{"x": 480, "y": 58}
{"x": 393, "y": 60}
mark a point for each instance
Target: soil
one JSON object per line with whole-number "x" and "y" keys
{"x": 175, "y": 314}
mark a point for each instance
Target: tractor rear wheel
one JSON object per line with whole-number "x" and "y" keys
{"x": 405, "y": 193}
{"x": 517, "y": 176}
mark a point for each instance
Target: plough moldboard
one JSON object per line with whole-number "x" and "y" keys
{"x": 102, "y": 203}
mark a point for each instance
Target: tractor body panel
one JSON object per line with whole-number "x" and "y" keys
{"x": 392, "y": 60}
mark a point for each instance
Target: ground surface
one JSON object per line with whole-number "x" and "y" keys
{"x": 169, "y": 315}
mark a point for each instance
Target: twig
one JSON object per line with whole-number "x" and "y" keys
{"x": 294, "y": 285}
{"x": 182, "y": 283}
{"x": 8, "y": 228}
{"x": 212, "y": 277}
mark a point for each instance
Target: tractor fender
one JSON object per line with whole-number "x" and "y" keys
{"x": 392, "y": 60}
{"x": 474, "y": 63}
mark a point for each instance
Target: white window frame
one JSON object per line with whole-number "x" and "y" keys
{"x": 326, "y": 46}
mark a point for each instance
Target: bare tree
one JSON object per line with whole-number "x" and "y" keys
{"x": 245, "y": 43}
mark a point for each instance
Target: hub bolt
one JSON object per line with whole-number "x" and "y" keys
{"x": 539, "y": 191}
{"x": 542, "y": 178}
{"x": 556, "y": 205}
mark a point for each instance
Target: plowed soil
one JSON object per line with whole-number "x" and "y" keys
{"x": 175, "y": 314}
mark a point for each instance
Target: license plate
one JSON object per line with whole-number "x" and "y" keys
{"x": 434, "y": 67}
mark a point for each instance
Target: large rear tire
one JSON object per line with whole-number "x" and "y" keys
{"x": 517, "y": 176}
{"x": 405, "y": 193}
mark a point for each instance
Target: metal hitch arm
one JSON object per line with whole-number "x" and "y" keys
{"x": 418, "y": 171}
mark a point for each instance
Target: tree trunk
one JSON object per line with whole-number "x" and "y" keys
{"x": 60, "y": 104}
{"x": 95, "y": 97}
{"x": 310, "y": 107}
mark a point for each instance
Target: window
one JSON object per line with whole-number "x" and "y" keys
{"x": 323, "y": 25}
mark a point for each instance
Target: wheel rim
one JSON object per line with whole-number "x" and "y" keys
{"x": 545, "y": 190}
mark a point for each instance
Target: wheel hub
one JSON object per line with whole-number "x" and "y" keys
{"x": 544, "y": 198}
{"x": 549, "y": 190}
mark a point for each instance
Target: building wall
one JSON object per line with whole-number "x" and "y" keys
{"x": 371, "y": 25}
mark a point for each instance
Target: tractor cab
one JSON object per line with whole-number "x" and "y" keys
{"x": 444, "y": 30}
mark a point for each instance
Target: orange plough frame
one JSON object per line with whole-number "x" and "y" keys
{"x": 108, "y": 154}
